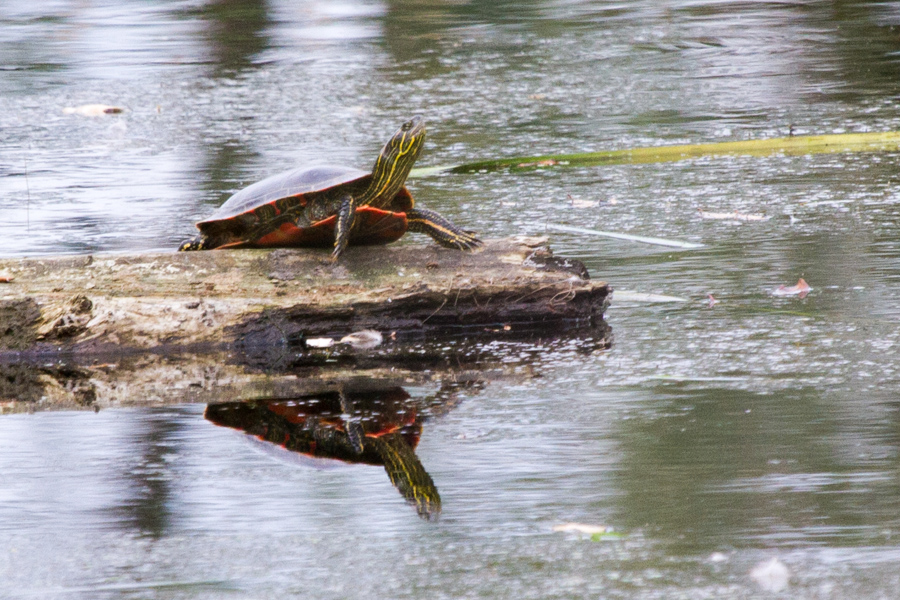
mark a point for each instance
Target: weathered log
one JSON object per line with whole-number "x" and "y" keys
{"x": 259, "y": 298}
{"x": 98, "y": 381}
{"x": 152, "y": 379}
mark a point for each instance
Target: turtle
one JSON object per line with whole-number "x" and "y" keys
{"x": 376, "y": 427}
{"x": 332, "y": 206}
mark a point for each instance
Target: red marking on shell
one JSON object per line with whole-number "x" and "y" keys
{"x": 373, "y": 226}
{"x": 391, "y": 428}
{"x": 291, "y": 413}
{"x": 289, "y": 234}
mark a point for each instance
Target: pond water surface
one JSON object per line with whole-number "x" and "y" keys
{"x": 709, "y": 438}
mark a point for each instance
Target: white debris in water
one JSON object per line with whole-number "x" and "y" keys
{"x": 92, "y": 110}
{"x": 320, "y": 342}
{"x": 581, "y": 528}
{"x": 733, "y": 216}
{"x": 771, "y": 575}
{"x": 718, "y": 557}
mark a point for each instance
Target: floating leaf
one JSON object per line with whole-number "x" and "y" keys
{"x": 800, "y": 290}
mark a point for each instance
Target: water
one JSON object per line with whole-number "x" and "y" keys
{"x": 711, "y": 438}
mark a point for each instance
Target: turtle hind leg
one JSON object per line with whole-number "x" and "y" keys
{"x": 441, "y": 230}
{"x": 352, "y": 424}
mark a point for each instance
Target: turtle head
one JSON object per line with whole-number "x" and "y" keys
{"x": 197, "y": 243}
{"x": 396, "y": 160}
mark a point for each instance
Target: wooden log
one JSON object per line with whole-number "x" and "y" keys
{"x": 151, "y": 379}
{"x": 93, "y": 332}
{"x": 98, "y": 304}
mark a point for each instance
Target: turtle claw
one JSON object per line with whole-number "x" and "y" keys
{"x": 469, "y": 243}
{"x": 463, "y": 240}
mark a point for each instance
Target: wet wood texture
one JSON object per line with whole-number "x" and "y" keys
{"x": 255, "y": 298}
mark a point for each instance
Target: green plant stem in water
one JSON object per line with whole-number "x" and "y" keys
{"x": 793, "y": 145}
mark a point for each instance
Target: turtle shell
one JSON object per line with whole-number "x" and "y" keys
{"x": 299, "y": 208}
{"x": 315, "y": 425}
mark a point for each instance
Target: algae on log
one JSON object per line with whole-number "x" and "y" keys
{"x": 252, "y": 298}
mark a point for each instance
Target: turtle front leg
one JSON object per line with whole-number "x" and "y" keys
{"x": 441, "y": 230}
{"x": 345, "y": 218}
{"x": 352, "y": 424}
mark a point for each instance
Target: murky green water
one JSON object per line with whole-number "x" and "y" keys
{"x": 710, "y": 438}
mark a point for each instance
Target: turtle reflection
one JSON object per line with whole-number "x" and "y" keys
{"x": 373, "y": 427}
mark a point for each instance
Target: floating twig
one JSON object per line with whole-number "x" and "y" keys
{"x": 626, "y": 296}
{"x": 626, "y": 236}
{"x": 436, "y": 311}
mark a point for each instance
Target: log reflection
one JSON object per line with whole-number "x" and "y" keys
{"x": 376, "y": 427}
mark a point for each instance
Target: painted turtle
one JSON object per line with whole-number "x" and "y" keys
{"x": 376, "y": 427}
{"x": 332, "y": 205}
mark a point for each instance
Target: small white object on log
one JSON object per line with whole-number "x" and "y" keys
{"x": 363, "y": 340}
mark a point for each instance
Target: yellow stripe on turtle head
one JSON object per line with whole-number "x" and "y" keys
{"x": 395, "y": 162}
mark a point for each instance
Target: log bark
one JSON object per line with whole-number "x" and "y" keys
{"x": 98, "y": 304}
